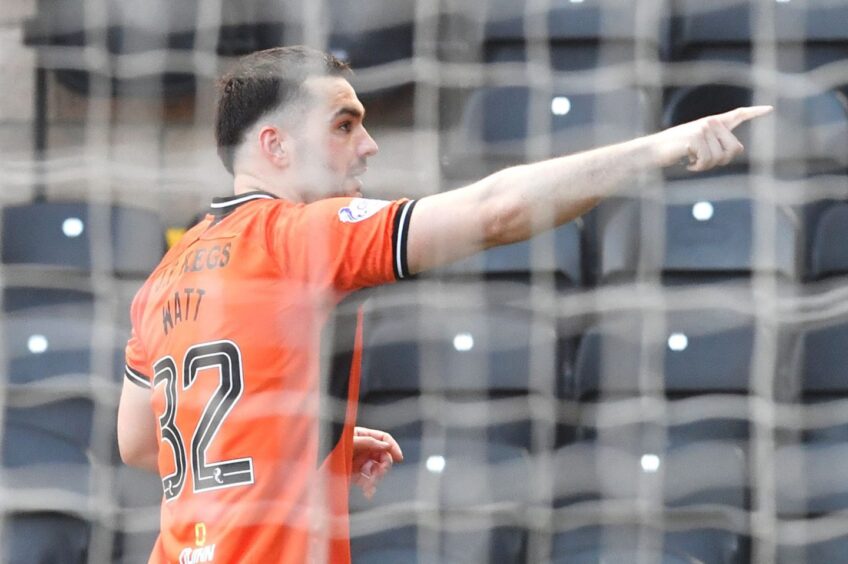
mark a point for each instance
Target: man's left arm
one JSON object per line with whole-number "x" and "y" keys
{"x": 137, "y": 440}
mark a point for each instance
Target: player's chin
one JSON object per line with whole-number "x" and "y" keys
{"x": 353, "y": 187}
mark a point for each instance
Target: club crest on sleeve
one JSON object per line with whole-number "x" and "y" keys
{"x": 361, "y": 208}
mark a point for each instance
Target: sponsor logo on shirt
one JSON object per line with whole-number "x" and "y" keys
{"x": 361, "y": 208}
{"x": 201, "y": 553}
{"x": 197, "y": 555}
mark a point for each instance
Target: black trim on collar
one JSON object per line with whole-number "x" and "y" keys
{"x": 224, "y": 206}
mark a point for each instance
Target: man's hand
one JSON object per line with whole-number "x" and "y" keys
{"x": 374, "y": 452}
{"x": 707, "y": 142}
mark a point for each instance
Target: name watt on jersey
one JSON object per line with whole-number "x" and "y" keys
{"x": 185, "y": 304}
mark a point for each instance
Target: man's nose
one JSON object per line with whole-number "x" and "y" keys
{"x": 368, "y": 147}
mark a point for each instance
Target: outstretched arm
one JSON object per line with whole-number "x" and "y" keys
{"x": 518, "y": 202}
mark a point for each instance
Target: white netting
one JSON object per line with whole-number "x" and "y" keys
{"x": 662, "y": 380}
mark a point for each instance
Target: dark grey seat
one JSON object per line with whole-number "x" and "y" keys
{"x": 575, "y": 121}
{"x": 827, "y": 258}
{"x": 703, "y": 238}
{"x": 478, "y": 483}
{"x": 558, "y": 252}
{"x": 625, "y": 544}
{"x": 699, "y": 351}
{"x": 812, "y": 129}
{"x": 69, "y": 235}
{"x": 127, "y": 30}
{"x": 50, "y": 340}
{"x": 44, "y": 538}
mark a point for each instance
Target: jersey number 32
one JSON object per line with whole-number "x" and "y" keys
{"x": 226, "y": 357}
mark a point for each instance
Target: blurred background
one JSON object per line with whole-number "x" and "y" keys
{"x": 664, "y": 380}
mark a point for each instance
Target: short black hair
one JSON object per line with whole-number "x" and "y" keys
{"x": 263, "y": 82}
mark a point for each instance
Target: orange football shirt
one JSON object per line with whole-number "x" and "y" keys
{"x": 255, "y": 429}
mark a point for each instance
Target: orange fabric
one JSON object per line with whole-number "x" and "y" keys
{"x": 255, "y": 289}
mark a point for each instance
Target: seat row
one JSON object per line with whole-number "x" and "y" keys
{"x": 563, "y": 117}
{"x": 707, "y": 229}
{"x": 460, "y": 500}
{"x": 372, "y": 33}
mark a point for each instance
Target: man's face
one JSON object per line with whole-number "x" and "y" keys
{"x": 332, "y": 145}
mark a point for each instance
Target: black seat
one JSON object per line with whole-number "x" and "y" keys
{"x": 138, "y": 495}
{"x": 829, "y": 550}
{"x": 122, "y": 33}
{"x": 372, "y": 33}
{"x": 455, "y": 347}
{"x": 698, "y": 351}
{"x": 827, "y": 258}
{"x": 558, "y": 252}
{"x": 575, "y": 121}
{"x": 44, "y": 538}
{"x": 45, "y": 466}
{"x": 807, "y": 484}
{"x": 456, "y": 478}
{"x": 704, "y": 238}
{"x": 592, "y": 33}
{"x": 83, "y": 237}
{"x": 54, "y": 340}
{"x": 720, "y": 30}
{"x": 812, "y": 129}
{"x": 623, "y": 543}
{"x": 634, "y": 462}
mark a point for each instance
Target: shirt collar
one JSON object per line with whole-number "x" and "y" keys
{"x": 224, "y": 206}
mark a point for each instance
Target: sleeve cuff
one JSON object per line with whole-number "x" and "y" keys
{"x": 136, "y": 377}
{"x": 399, "y": 240}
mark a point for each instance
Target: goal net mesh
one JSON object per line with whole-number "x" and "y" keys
{"x": 661, "y": 380}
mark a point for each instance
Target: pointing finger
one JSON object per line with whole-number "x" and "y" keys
{"x": 733, "y": 118}
{"x": 730, "y": 144}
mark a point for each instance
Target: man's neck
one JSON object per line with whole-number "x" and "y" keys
{"x": 244, "y": 183}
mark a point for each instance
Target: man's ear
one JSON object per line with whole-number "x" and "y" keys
{"x": 275, "y": 145}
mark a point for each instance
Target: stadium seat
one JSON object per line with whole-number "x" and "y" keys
{"x": 622, "y": 543}
{"x": 602, "y": 20}
{"x": 808, "y": 486}
{"x": 578, "y": 35}
{"x": 381, "y": 555}
{"x": 83, "y": 237}
{"x": 21, "y": 299}
{"x": 455, "y": 479}
{"x": 70, "y": 419}
{"x": 830, "y": 550}
{"x": 125, "y": 31}
{"x": 494, "y": 545}
{"x": 812, "y": 130}
{"x": 626, "y": 464}
{"x": 716, "y": 30}
{"x": 52, "y": 471}
{"x": 364, "y": 34}
{"x": 464, "y": 353}
{"x": 575, "y": 121}
{"x": 698, "y": 351}
{"x": 44, "y": 538}
{"x": 53, "y": 343}
{"x": 461, "y": 345}
{"x": 367, "y": 34}
{"x": 820, "y": 355}
{"x": 138, "y": 495}
{"x": 806, "y": 483}
{"x": 827, "y": 257}
{"x": 704, "y": 238}
{"x": 808, "y": 34}
{"x": 557, "y": 252}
